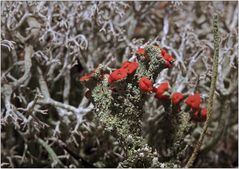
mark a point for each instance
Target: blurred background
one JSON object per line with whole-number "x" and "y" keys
{"x": 47, "y": 46}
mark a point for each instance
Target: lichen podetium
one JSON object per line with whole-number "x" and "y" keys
{"x": 119, "y": 98}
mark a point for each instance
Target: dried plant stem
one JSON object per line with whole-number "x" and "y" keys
{"x": 211, "y": 94}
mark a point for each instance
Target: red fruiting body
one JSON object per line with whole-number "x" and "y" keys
{"x": 200, "y": 115}
{"x": 176, "y": 97}
{"x": 86, "y": 77}
{"x": 163, "y": 52}
{"x": 140, "y": 51}
{"x": 194, "y": 101}
{"x": 160, "y": 91}
{"x": 125, "y": 64}
{"x": 162, "y": 97}
{"x": 130, "y": 67}
{"x": 169, "y": 60}
{"x": 167, "y": 57}
{"x": 204, "y": 114}
{"x": 162, "y": 88}
{"x": 118, "y": 74}
{"x": 145, "y": 84}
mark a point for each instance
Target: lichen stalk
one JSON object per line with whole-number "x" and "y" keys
{"x": 211, "y": 94}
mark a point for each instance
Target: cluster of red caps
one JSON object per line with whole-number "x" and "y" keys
{"x": 167, "y": 57}
{"x": 126, "y": 69}
{"x": 130, "y": 67}
{"x": 194, "y": 101}
{"x": 162, "y": 91}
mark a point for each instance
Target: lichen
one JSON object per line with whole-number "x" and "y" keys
{"x": 119, "y": 109}
{"x": 57, "y": 58}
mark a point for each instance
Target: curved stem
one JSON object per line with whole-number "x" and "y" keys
{"x": 212, "y": 91}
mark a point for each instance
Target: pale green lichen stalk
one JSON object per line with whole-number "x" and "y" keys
{"x": 121, "y": 114}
